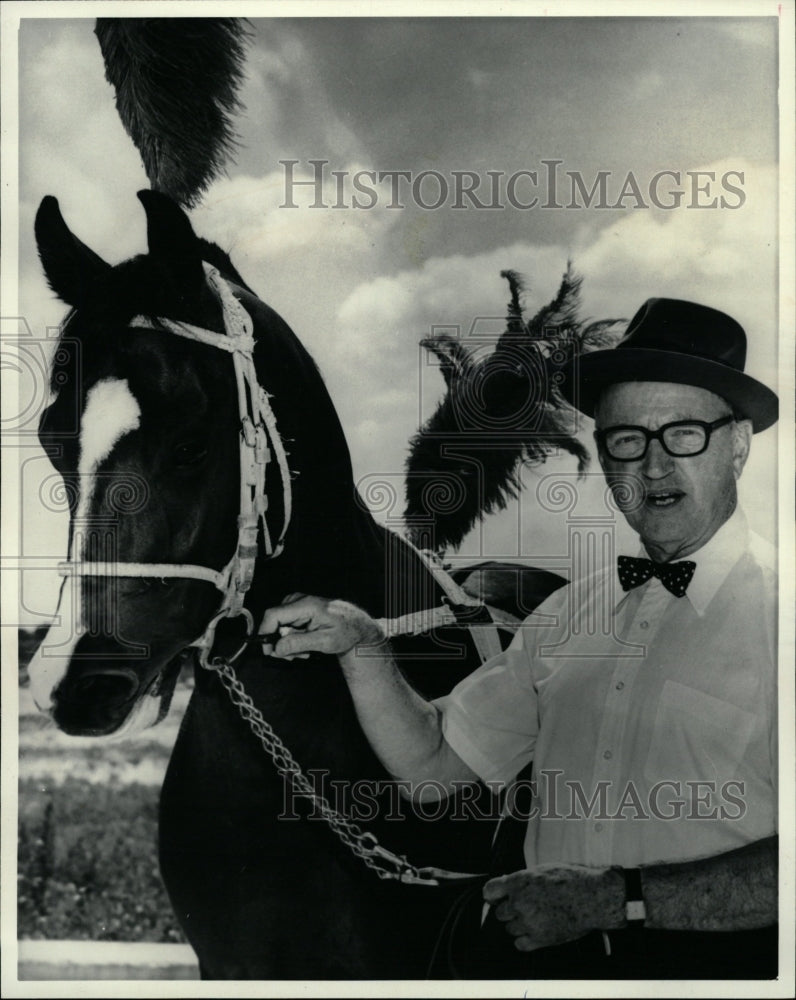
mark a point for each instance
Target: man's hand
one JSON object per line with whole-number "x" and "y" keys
{"x": 552, "y": 904}
{"x": 313, "y": 624}
{"x": 401, "y": 726}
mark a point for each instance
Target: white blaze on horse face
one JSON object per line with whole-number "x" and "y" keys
{"x": 111, "y": 412}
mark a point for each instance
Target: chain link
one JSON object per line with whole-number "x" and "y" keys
{"x": 361, "y": 843}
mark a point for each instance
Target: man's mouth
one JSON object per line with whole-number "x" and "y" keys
{"x": 661, "y": 499}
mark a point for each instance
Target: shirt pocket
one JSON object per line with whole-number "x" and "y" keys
{"x": 696, "y": 736}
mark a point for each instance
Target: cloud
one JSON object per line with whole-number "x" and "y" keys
{"x": 648, "y": 84}
{"x": 72, "y": 146}
{"x": 446, "y": 291}
{"x": 73, "y": 143}
{"x": 755, "y": 32}
{"x": 725, "y": 258}
{"x": 288, "y": 101}
{"x": 380, "y": 323}
{"x": 479, "y": 78}
{"x": 252, "y": 215}
{"x": 721, "y": 257}
{"x": 362, "y": 287}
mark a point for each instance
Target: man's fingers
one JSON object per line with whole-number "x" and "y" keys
{"x": 297, "y": 642}
{"x": 316, "y": 641}
{"x": 292, "y": 598}
{"x": 304, "y": 624}
{"x": 511, "y": 886}
{"x": 301, "y": 609}
{"x": 519, "y": 926}
{"x": 496, "y": 889}
{"x": 526, "y": 943}
{"x": 505, "y": 911}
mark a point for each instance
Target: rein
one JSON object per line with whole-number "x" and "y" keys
{"x": 259, "y": 438}
{"x": 384, "y": 863}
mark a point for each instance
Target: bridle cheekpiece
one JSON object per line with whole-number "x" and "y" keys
{"x": 259, "y": 442}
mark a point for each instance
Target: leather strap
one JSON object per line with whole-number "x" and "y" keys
{"x": 635, "y": 911}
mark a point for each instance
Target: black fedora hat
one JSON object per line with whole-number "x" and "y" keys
{"x": 669, "y": 340}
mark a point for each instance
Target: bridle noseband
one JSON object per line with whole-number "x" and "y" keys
{"x": 259, "y": 440}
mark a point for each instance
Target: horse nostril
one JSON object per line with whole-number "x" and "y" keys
{"x": 95, "y": 703}
{"x": 109, "y": 689}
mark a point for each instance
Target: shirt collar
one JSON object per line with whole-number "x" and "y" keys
{"x": 714, "y": 560}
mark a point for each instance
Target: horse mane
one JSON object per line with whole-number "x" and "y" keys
{"x": 220, "y": 259}
{"x": 497, "y": 412}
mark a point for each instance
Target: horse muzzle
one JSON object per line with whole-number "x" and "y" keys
{"x": 94, "y": 701}
{"x": 87, "y": 694}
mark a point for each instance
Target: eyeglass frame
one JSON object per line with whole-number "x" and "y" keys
{"x": 707, "y": 426}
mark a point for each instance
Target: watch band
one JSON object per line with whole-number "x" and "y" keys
{"x": 635, "y": 911}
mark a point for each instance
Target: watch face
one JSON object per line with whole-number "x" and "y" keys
{"x": 635, "y": 910}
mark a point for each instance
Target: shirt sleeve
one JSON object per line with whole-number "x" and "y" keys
{"x": 490, "y": 719}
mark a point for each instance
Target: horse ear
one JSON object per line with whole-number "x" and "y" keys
{"x": 171, "y": 239}
{"x": 72, "y": 269}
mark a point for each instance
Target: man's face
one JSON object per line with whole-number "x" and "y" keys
{"x": 676, "y": 503}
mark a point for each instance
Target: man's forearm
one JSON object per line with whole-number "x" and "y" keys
{"x": 554, "y": 903}
{"x": 401, "y": 726}
{"x": 733, "y": 891}
{"x": 403, "y": 729}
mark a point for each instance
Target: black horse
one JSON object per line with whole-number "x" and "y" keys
{"x": 144, "y": 427}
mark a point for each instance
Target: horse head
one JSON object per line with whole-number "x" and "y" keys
{"x": 144, "y": 427}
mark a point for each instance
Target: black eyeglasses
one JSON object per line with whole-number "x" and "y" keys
{"x": 682, "y": 439}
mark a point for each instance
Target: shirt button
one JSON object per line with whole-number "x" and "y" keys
{"x": 620, "y": 685}
{"x": 645, "y": 624}
{"x": 608, "y": 755}
{"x": 598, "y": 827}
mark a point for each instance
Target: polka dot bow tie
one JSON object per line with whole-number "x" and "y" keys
{"x": 674, "y": 576}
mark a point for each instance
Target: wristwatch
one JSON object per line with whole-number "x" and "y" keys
{"x": 635, "y": 911}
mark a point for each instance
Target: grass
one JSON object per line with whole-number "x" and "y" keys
{"x": 88, "y": 865}
{"x": 87, "y": 849}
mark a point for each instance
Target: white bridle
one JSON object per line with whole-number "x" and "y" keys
{"x": 259, "y": 437}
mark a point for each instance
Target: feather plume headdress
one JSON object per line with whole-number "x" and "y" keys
{"x": 176, "y": 81}
{"x": 497, "y": 412}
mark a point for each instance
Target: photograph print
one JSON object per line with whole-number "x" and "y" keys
{"x": 396, "y": 444}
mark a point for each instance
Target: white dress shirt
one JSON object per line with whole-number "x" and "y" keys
{"x": 650, "y": 719}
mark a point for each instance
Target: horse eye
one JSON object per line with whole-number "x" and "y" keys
{"x": 188, "y": 453}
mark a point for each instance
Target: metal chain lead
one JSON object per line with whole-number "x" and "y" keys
{"x": 361, "y": 843}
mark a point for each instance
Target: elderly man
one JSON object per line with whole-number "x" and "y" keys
{"x": 651, "y": 847}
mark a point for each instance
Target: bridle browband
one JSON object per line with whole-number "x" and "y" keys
{"x": 259, "y": 438}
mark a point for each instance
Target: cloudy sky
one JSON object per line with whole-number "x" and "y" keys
{"x": 496, "y": 98}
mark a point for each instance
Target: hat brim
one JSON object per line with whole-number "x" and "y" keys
{"x": 592, "y": 373}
